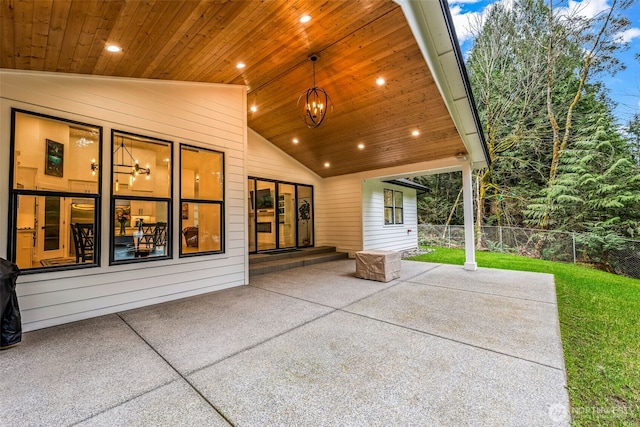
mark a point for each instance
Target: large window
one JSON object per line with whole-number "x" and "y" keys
{"x": 393, "y": 210}
{"x": 201, "y": 200}
{"x": 141, "y": 188}
{"x": 54, "y": 192}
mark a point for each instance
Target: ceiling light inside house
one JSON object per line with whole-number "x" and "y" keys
{"x": 305, "y": 18}
{"x": 380, "y": 81}
{"x": 83, "y": 142}
{"x": 240, "y": 65}
{"x": 124, "y": 163}
{"x": 113, "y": 48}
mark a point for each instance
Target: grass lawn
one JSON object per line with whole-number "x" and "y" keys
{"x": 600, "y": 326}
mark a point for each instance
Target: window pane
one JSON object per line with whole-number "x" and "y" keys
{"x": 398, "y": 198}
{"x": 140, "y": 229}
{"x": 398, "y": 218}
{"x": 388, "y": 198}
{"x": 202, "y": 174}
{"x": 54, "y": 231}
{"x": 55, "y": 155}
{"x": 141, "y": 166}
{"x": 388, "y": 215}
{"x": 252, "y": 215}
{"x": 201, "y": 227}
{"x": 305, "y": 215}
{"x": 287, "y": 215}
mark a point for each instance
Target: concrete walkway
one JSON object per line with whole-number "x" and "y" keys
{"x": 312, "y": 346}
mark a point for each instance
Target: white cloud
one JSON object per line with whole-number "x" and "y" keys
{"x": 628, "y": 35}
{"x": 585, "y": 8}
{"x": 464, "y": 1}
{"x": 462, "y": 23}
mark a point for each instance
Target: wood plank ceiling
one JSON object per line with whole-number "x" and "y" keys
{"x": 203, "y": 41}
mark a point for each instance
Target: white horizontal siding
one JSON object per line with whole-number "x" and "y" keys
{"x": 265, "y": 160}
{"x": 377, "y": 235}
{"x": 206, "y": 115}
{"x": 339, "y": 214}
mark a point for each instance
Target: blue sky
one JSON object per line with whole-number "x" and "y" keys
{"x": 624, "y": 87}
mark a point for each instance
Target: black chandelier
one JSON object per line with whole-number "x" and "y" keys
{"x": 124, "y": 165}
{"x": 314, "y": 104}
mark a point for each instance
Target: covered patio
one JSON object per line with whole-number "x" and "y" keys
{"x": 308, "y": 346}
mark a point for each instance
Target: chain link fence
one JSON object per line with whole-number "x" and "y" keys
{"x": 550, "y": 245}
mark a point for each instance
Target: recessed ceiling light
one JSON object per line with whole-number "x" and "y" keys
{"x": 113, "y": 48}
{"x": 253, "y": 108}
{"x": 240, "y": 65}
{"x": 305, "y": 18}
{"x": 415, "y": 133}
{"x": 327, "y": 164}
{"x": 295, "y": 140}
{"x": 380, "y": 81}
{"x": 361, "y": 146}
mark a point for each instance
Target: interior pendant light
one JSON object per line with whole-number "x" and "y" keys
{"x": 124, "y": 164}
{"x": 314, "y": 103}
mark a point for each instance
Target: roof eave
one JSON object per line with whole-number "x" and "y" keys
{"x": 433, "y": 29}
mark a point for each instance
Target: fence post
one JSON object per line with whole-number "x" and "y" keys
{"x": 573, "y": 238}
{"x": 500, "y": 233}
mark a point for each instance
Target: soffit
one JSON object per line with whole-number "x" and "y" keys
{"x": 202, "y": 41}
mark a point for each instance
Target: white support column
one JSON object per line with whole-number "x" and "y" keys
{"x": 467, "y": 202}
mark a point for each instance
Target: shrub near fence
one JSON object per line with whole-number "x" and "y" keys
{"x": 544, "y": 244}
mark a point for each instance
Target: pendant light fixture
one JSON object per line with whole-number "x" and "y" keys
{"x": 314, "y": 103}
{"x": 124, "y": 164}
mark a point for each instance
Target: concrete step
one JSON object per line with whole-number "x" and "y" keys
{"x": 279, "y": 262}
{"x": 289, "y": 254}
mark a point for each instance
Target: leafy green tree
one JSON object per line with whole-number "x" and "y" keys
{"x": 439, "y": 203}
{"x": 633, "y": 133}
{"x": 506, "y": 72}
{"x": 594, "y": 40}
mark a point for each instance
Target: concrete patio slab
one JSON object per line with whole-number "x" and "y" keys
{"x": 197, "y": 331}
{"x": 311, "y": 284}
{"x": 63, "y": 375}
{"x": 345, "y": 370}
{"x": 521, "y": 328}
{"x": 308, "y": 347}
{"x": 516, "y": 284}
{"x": 343, "y": 288}
{"x": 176, "y": 404}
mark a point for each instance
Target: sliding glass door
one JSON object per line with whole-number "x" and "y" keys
{"x": 280, "y": 215}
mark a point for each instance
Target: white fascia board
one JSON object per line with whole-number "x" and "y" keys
{"x": 428, "y": 24}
